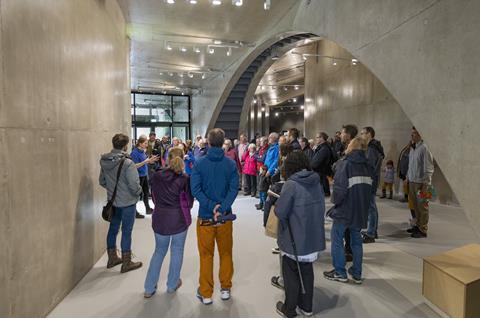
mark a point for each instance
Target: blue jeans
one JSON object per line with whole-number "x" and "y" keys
{"x": 372, "y": 217}
{"x": 263, "y": 197}
{"x": 126, "y": 217}
{"x": 176, "y": 260}
{"x": 338, "y": 253}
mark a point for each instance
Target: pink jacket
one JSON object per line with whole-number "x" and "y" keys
{"x": 250, "y": 164}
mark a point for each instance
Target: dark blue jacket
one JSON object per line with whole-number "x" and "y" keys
{"x": 189, "y": 163}
{"x": 271, "y": 160}
{"x": 302, "y": 204}
{"x": 214, "y": 180}
{"x": 352, "y": 190}
{"x": 375, "y": 157}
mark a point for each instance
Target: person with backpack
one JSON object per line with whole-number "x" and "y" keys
{"x": 170, "y": 221}
{"x": 322, "y": 161}
{"x": 352, "y": 193}
{"x": 301, "y": 233}
{"x": 126, "y": 187}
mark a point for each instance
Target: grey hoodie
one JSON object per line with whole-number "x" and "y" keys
{"x": 129, "y": 189}
{"x": 302, "y": 204}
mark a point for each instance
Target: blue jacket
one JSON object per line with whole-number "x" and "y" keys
{"x": 352, "y": 190}
{"x": 375, "y": 157}
{"x": 189, "y": 163}
{"x": 271, "y": 160}
{"x": 214, "y": 180}
{"x": 302, "y": 204}
{"x": 137, "y": 157}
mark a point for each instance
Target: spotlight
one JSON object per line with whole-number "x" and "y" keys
{"x": 169, "y": 47}
{"x": 354, "y": 61}
{"x": 276, "y": 114}
{"x": 211, "y": 50}
{"x": 183, "y": 49}
{"x": 285, "y": 88}
{"x": 229, "y": 51}
{"x": 180, "y": 74}
{"x": 302, "y": 107}
{"x": 238, "y": 3}
{"x": 183, "y": 93}
{"x": 160, "y": 73}
{"x": 296, "y": 87}
{"x": 204, "y": 76}
{"x": 304, "y": 57}
{"x": 218, "y": 42}
{"x": 334, "y": 63}
{"x": 190, "y": 75}
{"x": 216, "y": 2}
{"x": 254, "y": 101}
{"x": 196, "y": 50}
{"x": 263, "y": 109}
{"x": 267, "y": 4}
{"x": 193, "y": 1}
{"x": 170, "y": 1}
{"x": 170, "y": 73}
{"x": 294, "y": 100}
{"x": 164, "y": 92}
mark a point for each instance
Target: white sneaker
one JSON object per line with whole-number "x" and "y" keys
{"x": 225, "y": 294}
{"x": 304, "y": 313}
{"x": 203, "y": 300}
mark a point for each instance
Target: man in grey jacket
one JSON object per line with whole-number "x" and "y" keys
{"x": 419, "y": 175}
{"x": 128, "y": 192}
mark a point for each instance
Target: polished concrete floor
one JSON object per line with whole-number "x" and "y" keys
{"x": 392, "y": 269}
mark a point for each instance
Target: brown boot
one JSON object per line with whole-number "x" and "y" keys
{"x": 127, "y": 264}
{"x": 113, "y": 259}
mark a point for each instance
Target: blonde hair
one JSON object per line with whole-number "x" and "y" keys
{"x": 356, "y": 143}
{"x": 175, "y": 160}
{"x": 252, "y": 146}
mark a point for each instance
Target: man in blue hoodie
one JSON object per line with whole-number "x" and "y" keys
{"x": 214, "y": 183}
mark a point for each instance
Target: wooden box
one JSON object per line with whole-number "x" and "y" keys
{"x": 451, "y": 281}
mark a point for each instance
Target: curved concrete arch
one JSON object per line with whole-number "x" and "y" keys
{"x": 230, "y": 112}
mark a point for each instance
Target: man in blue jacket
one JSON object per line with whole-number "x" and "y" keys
{"x": 214, "y": 183}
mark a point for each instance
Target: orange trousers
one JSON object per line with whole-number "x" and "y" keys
{"x": 206, "y": 238}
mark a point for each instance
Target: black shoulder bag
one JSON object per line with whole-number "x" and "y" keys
{"x": 109, "y": 210}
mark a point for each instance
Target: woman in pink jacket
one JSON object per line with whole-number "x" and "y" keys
{"x": 250, "y": 170}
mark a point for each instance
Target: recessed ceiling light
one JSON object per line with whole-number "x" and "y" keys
{"x": 169, "y": 47}
{"x": 294, "y": 100}
{"x": 354, "y": 61}
{"x": 217, "y": 42}
{"x": 302, "y": 107}
{"x": 170, "y": 1}
{"x": 190, "y": 75}
{"x": 254, "y": 101}
{"x": 204, "y": 76}
{"x": 216, "y": 2}
{"x": 193, "y": 1}
{"x": 183, "y": 93}
{"x": 211, "y": 50}
{"x": 296, "y": 87}
{"x": 263, "y": 109}
{"x": 170, "y": 73}
{"x": 197, "y": 50}
{"x": 304, "y": 57}
{"x": 334, "y": 63}
{"x": 276, "y": 114}
{"x": 238, "y": 3}
{"x": 180, "y": 74}
{"x": 285, "y": 88}
{"x": 267, "y": 4}
{"x": 229, "y": 51}
{"x": 183, "y": 49}
{"x": 160, "y": 73}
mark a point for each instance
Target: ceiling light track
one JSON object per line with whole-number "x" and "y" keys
{"x": 267, "y": 4}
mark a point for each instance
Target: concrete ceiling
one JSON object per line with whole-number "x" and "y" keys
{"x": 154, "y": 26}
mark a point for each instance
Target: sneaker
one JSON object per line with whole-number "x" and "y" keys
{"x": 203, "y": 300}
{"x": 149, "y": 211}
{"x": 418, "y": 234}
{"x": 179, "y": 284}
{"x": 279, "y": 308}
{"x": 356, "y": 280}
{"x": 246, "y": 193}
{"x": 304, "y": 313}
{"x": 275, "y": 280}
{"x": 275, "y": 250}
{"x": 367, "y": 239}
{"x": 333, "y": 275}
{"x": 149, "y": 295}
{"x": 413, "y": 229}
{"x": 259, "y": 206}
{"x": 225, "y": 294}
{"x": 139, "y": 216}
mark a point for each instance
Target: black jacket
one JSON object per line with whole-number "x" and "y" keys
{"x": 403, "y": 161}
{"x": 375, "y": 157}
{"x": 308, "y": 152}
{"x": 322, "y": 160}
{"x": 352, "y": 190}
{"x": 295, "y": 145}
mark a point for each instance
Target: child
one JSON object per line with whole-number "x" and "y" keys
{"x": 250, "y": 170}
{"x": 388, "y": 180}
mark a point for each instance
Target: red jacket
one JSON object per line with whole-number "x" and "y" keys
{"x": 261, "y": 154}
{"x": 232, "y": 154}
{"x": 250, "y": 164}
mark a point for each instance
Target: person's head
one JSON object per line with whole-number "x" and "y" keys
{"x": 296, "y": 161}
{"x": 175, "y": 141}
{"x": 293, "y": 134}
{"x": 175, "y": 160}
{"x": 227, "y": 145}
{"x": 356, "y": 143}
{"x": 243, "y": 139}
{"x": 416, "y": 135}
{"x": 337, "y": 134}
{"x": 390, "y": 163}
{"x": 120, "y": 142}
{"x": 142, "y": 142}
{"x": 321, "y": 137}
{"x": 198, "y": 138}
{"x": 272, "y": 138}
{"x": 367, "y": 133}
{"x": 252, "y": 148}
{"x": 152, "y": 136}
{"x": 348, "y": 133}
{"x": 216, "y": 137}
{"x": 303, "y": 142}
{"x": 311, "y": 142}
{"x": 257, "y": 142}
{"x": 202, "y": 143}
{"x": 282, "y": 140}
{"x": 189, "y": 145}
{"x": 236, "y": 142}
{"x": 164, "y": 139}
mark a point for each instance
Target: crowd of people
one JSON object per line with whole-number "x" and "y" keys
{"x": 290, "y": 176}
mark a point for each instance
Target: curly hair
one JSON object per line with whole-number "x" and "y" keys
{"x": 296, "y": 161}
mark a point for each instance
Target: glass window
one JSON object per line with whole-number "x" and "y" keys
{"x": 153, "y": 108}
{"x": 180, "y": 132}
{"x": 180, "y": 108}
{"x": 143, "y": 131}
{"x": 162, "y": 131}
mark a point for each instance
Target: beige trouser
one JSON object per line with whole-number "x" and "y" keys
{"x": 421, "y": 210}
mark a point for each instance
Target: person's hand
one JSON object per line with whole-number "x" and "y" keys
{"x": 267, "y": 174}
{"x": 153, "y": 159}
{"x": 216, "y": 214}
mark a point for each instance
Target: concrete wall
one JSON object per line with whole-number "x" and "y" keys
{"x": 286, "y": 120}
{"x": 64, "y": 92}
{"x": 350, "y": 94}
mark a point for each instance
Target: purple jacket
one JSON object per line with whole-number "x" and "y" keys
{"x": 167, "y": 218}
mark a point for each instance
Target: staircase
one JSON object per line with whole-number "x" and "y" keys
{"x": 229, "y": 117}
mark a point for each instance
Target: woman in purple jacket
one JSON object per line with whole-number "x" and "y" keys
{"x": 169, "y": 222}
